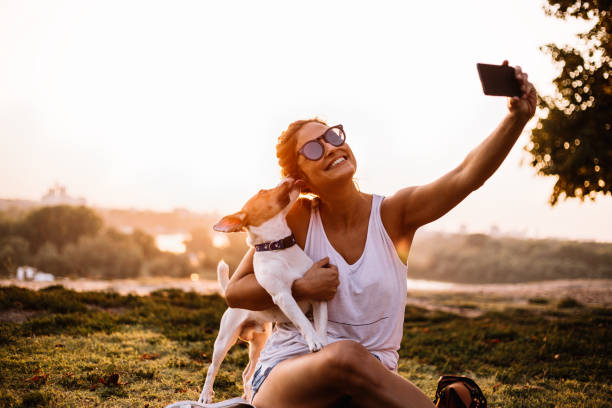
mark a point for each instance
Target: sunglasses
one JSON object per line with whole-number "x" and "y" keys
{"x": 314, "y": 149}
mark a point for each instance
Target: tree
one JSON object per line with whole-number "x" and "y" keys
{"x": 573, "y": 140}
{"x": 59, "y": 225}
{"x": 146, "y": 243}
{"x": 14, "y": 251}
{"x": 199, "y": 242}
{"x": 48, "y": 259}
{"x": 102, "y": 257}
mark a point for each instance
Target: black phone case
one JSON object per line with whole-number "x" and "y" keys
{"x": 498, "y": 80}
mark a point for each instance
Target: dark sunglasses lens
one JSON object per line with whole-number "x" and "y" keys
{"x": 334, "y": 136}
{"x": 313, "y": 150}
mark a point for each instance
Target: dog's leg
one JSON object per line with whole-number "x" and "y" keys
{"x": 319, "y": 313}
{"x": 256, "y": 344}
{"x": 227, "y": 337}
{"x": 291, "y": 309}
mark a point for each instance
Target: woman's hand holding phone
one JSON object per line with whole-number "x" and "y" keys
{"x": 524, "y": 105}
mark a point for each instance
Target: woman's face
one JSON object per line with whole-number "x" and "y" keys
{"x": 336, "y": 165}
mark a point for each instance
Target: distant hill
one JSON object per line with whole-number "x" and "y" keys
{"x": 480, "y": 258}
{"x": 153, "y": 222}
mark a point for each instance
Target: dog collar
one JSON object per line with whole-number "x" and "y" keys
{"x": 284, "y": 243}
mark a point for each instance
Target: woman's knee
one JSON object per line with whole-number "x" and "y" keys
{"x": 347, "y": 361}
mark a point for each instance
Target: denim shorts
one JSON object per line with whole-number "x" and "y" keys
{"x": 258, "y": 378}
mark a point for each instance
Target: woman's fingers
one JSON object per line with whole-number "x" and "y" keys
{"x": 528, "y": 99}
{"x": 322, "y": 262}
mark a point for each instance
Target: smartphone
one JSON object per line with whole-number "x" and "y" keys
{"x": 498, "y": 80}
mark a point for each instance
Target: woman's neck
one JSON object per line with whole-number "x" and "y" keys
{"x": 343, "y": 206}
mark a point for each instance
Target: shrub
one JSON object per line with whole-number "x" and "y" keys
{"x": 14, "y": 251}
{"x": 568, "y": 302}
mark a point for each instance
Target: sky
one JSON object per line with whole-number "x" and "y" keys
{"x": 162, "y": 105}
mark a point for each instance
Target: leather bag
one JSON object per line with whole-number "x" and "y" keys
{"x": 459, "y": 392}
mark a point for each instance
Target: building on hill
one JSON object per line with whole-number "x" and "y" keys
{"x": 57, "y": 196}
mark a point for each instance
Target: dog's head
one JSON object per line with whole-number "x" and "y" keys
{"x": 263, "y": 206}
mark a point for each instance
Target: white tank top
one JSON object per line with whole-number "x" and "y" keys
{"x": 369, "y": 305}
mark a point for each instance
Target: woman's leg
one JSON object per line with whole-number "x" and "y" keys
{"x": 341, "y": 369}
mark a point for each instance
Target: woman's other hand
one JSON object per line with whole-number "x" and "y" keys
{"x": 525, "y": 105}
{"x": 319, "y": 283}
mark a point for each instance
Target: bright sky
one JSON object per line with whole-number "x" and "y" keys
{"x": 159, "y": 105}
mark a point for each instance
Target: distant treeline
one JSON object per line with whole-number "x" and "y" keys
{"x": 480, "y": 258}
{"x": 82, "y": 242}
{"x": 72, "y": 241}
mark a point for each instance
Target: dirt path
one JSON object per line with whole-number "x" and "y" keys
{"x": 124, "y": 286}
{"x": 595, "y": 292}
{"x": 585, "y": 291}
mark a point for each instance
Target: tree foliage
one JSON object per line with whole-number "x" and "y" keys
{"x": 60, "y": 225}
{"x": 574, "y": 138}
{"x": 479, "y": 258}
{"x": 202, "y": 244}
{"x": 14, "y": 251}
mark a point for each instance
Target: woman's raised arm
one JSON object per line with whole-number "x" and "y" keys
{"x": 413, "y": 207}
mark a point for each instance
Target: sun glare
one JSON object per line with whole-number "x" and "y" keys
{"x": 220, "y": 241}
{"x": 171, "y": 242}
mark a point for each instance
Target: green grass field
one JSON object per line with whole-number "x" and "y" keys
{"x": 64, "y": 348}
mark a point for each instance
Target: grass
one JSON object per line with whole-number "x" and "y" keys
{"x": 102, "y": 349}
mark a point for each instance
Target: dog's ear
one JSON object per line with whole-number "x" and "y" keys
{"x": 231, "y": 223}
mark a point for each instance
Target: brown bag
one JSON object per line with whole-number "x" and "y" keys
{"x": 459, "y": 392}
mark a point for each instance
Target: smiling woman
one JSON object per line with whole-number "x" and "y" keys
{"x": 353, "y": 238}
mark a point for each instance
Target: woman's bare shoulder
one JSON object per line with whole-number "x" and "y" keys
{"x": 298, "y": 219}
{"x": 392, "y": 211}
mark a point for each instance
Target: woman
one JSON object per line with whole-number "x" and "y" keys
{"x": 354, "y": 236}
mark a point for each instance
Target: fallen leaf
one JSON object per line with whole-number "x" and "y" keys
{"x": 38, "y": 378}
{"x": 147, "y": 356}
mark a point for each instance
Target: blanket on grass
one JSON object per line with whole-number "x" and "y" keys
{"x": 230, "y": 403}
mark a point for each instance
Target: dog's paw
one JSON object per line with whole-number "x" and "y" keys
{"x": 206, "y": 397}
{"x": 316, "y": 344}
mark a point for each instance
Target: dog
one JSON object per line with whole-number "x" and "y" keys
{"x": 277, "y": 263}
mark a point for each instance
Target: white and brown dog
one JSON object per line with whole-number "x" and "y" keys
{"x": 277, "y": 262}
